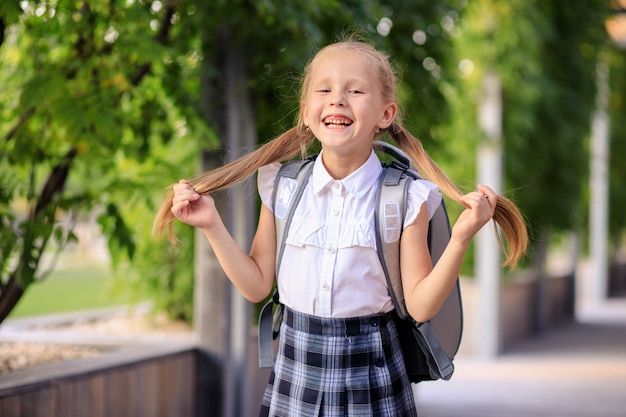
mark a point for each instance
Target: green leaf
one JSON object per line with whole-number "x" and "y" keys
{"x": 120, "y": 236}
{"x": 10, "y": 11}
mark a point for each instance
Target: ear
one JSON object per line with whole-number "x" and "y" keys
{"x": 389, "y": 115}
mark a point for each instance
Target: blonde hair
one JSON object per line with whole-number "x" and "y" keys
{"x": 297, "y": 140}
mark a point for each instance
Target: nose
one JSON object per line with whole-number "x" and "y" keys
{"x": 338, "y": 99}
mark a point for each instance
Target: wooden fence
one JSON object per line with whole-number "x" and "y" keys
{"x": 154, "y": 386}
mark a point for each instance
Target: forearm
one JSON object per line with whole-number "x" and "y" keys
{"x": 428, "y": 295}
{"x": 252, "y": 275}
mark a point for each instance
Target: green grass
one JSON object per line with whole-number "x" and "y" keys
{"x": 69, "y": 290}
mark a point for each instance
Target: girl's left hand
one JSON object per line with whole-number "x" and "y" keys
{"x": 480, "y": 207}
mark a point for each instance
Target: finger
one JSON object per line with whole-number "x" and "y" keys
{"x": 184, "y": 192}
{"x": 181, "y": 199}
{"x": 487, "y": 192}
{"x": 178, "y": 209}
{"x": 473, "y": 199}
{"x": 489, "y": 195}
{"x": 183, "y": 185}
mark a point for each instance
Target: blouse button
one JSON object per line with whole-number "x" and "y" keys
{"x": 325, "y": 287}
{"x": 331, "y": 250}
{"x": 336, "y": 212}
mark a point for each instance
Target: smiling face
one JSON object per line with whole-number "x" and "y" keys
{"x": 343, "y": 102}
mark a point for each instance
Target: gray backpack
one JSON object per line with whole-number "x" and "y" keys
{"x": 428, "y": 347}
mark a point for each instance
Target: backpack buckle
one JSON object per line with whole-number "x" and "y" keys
{"x": 399, "y": 165}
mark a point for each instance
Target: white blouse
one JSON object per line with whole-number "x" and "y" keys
{"x": 330, "y": 267}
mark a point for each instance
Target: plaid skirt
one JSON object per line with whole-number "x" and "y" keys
{"x": 338, "y": 367}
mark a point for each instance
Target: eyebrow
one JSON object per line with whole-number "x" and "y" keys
{"x": 326, "y": 80}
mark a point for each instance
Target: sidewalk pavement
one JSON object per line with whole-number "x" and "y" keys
{"x": 578, "y": 370}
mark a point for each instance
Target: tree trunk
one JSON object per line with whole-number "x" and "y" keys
{"x": 11, "y": 294}
{"x": 17, "y": 283}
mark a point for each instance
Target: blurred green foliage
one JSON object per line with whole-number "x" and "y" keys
{"x": 616, "y": 62}
{"x": 98, "y": 115}
{"x": 545, "y": 54}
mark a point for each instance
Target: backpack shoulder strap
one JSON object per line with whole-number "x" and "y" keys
{"x": 391, "y": 198}
{"x": 289, "y": 185}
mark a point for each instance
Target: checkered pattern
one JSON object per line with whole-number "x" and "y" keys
{"x": 338, "y": 367}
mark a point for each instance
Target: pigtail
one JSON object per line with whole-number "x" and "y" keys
{"x": 287, "y": 146}
{"x": 507, "y": 216}
{"x": 426, "y": 166}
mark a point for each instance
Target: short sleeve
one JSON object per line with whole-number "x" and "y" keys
{"x": 265, "y": 182}
{"x": 421, "y": 191}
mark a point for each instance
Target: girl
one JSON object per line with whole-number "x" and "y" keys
{"x": 339, "y": 353}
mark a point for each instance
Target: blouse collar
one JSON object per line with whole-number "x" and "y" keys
{"x": 357, "y": 183}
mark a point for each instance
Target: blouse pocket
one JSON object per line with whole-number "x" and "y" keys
{"x": 306, "y": 231}
{"x": 357, "y": 234}
{"x": 312, "y": 232}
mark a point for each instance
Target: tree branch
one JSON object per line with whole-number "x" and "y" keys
{"x": 54, "y": 184}
{"x": 161, "y": 37}
{"x": 23, "y": 119}
{"x": 3, "y": 26}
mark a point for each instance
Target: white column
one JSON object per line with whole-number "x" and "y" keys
{"x": 599, "y": 192}
{"x": 487, "y": 254}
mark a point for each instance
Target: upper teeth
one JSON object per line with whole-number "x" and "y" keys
{"x": 336, "y": 121}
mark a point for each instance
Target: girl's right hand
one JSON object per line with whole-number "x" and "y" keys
{"x": 192, "y": 208}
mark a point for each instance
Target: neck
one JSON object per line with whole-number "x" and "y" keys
{"x": 339, "y": 166}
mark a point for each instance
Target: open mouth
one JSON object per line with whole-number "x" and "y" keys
{"x": 335, "y": 122}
